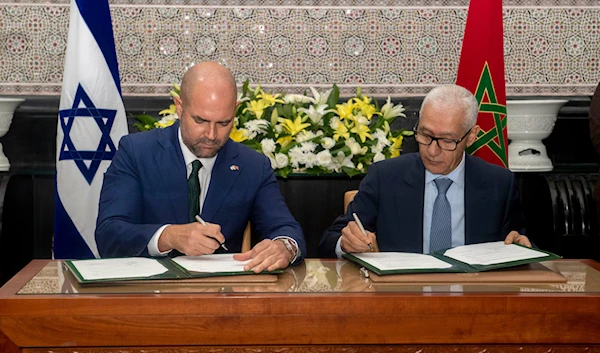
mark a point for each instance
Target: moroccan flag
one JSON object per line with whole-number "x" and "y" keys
{"x": 481, "y": 70}
{"x": 91, "y": 122}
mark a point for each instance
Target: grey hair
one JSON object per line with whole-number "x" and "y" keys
{"x": 454, "y": 96}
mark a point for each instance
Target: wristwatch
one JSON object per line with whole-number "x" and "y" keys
{"x": 292, "y": 248}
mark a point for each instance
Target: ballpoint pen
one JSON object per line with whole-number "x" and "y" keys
{"x": 201, "y": 221}
{"x": 362, "y": 229}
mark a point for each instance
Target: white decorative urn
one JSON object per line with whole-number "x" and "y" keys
{"x": 7, "y": 110}
{"x": 529, "y": 122}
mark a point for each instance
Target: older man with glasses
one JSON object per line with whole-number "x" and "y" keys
{"x": 438, "y": 198}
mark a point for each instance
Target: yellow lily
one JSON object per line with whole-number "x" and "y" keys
{"x": 362, "y": 131}
{"x": 284, "y": 141}
{"x": 256, "y": 107}
{"x": 269, "y": 99}
{"x": 396, "y": 145}
{"x": 164, "y": 123}
{"x": 365, "y": 106}
{"x": 341, "y": 131}
{"x": 294, "y": 126}
{"x": 172, "y": 110}
{"x": 345, "y": 110}
{"x": 238, "y": 135}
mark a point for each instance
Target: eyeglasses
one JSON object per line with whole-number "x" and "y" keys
{"x": 444, "y": 143}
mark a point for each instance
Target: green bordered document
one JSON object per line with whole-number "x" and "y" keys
{"x": 466, "y": 258}
{"x": 141, "y": 268}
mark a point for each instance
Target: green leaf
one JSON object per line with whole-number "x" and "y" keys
{"x": 350, "y": 171}
{"x": 334, "y": 97}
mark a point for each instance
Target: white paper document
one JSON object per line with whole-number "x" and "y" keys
{"x": 211, "y": 263}
{"x": 492, "y": 253}
{"x": 130, "y": 267}
{"x": 402, "y": 261}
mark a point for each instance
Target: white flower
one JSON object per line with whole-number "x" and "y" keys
{"x": 361, "y": 120}
{"x": 334, "y": 123}
{"x": 273, "y": 161}
{"x": 320, "y": 132}
{"x": 268, "y": 146}
{"x": 278, "y": 129}
{"x": 388, "y": 110}
{"x": 320, "y": 98}
{"x": 378, "y": 157}
{"x": 310, "y": 160}
{"x": 241, "y": 99}
{"x": 282, "y": 160}
{"x": 296, "y": 98}
{"x": 376, "y": 148}
{"x": 308, "y": 147}
{"x": 167, "y": 120}
{"x": 327, "y": 143}
{"x": 316, "y": 114}
{"x": 296, "y": 156}
{"x": 341, "y": 160}
{"x": 379, "y": 134}
{"x": 324, "y": 158}
{"x": 305, "y": 136}
{"x": 255, "y": 127}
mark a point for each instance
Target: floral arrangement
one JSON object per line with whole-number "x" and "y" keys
{"x": 309, "y": 134}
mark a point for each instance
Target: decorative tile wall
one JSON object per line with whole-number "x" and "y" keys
{"x": 387, "y": 47}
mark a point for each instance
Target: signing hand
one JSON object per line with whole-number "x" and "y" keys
{"x": 192, "y": 239}
{"x": 267, "y": 255}
{"x": 353, "y": 240}
{"x": 515, "y": 238}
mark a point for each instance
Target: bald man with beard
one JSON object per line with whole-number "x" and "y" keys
{"x": 144, "y": 208}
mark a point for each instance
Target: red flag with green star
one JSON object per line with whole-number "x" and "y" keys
{"x": 481, "y": 70}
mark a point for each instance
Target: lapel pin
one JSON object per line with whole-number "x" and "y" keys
{"x": 234, "y": 167}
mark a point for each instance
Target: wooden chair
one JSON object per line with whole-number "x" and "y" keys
{"x": 348, "y": 197}
{"x": 246, "y": 240}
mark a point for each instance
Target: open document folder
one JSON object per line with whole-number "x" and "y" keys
{"x": 466, "y": 258}
{"x": 140, "y": 268}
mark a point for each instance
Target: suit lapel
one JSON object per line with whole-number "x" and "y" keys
{"x": 476, "y": 196}
{"x": 171, "y": 166}
{"x": 413, "y": 209}
{"x": 224, "y": 174}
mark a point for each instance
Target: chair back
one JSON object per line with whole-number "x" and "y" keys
{"x": 348, "y": 197}
{"x": 246, "y": 240}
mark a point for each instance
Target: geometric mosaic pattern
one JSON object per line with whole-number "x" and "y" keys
{"x": 387, "y": 49}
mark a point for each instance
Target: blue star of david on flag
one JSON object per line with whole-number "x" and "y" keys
{"x": 104, "y": 118}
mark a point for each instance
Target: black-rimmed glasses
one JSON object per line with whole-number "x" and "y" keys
{"x": 444, "y": 143}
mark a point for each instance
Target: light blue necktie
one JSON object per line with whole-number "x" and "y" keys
{"x": 441, "y": 220}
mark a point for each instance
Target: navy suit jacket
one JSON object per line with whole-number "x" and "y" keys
{"x": 145, "y": 187}
{"x": 390, "y": 203}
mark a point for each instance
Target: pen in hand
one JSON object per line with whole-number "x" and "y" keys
{"x": 201, "y": 221}
{"x": 362, "y": 229}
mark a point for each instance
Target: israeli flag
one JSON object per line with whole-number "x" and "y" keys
{"x": 90, "y": 124}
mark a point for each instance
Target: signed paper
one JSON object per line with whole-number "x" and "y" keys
{"x": 210, "y": 263}
{"x": 131, "y": 267}
{"x": 492, "y": 253}
{"x": 402, "y": 261}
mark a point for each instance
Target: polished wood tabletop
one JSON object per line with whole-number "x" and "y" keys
{"x": 318, "y": 305}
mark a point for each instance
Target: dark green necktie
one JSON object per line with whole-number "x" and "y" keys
{"x": 194, "y": 191}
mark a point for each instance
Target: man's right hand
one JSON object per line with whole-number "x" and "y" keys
{"x": 193, "y": 239}
{"x": 353, "y": 240}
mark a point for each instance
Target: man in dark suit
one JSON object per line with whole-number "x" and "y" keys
{"x": 437, "y": 198}
{"x": 146, "y": 207}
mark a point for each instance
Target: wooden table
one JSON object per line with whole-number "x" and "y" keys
{"x": 320, "y": 306}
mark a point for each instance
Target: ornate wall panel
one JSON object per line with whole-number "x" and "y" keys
{"x": 387, "y": 47}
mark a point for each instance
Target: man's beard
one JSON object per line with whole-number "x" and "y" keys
{"x": 201, "y": 152}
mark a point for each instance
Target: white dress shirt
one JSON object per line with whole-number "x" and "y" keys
{"x": 456, "y": 198}
{"x": 204, "y": 178}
